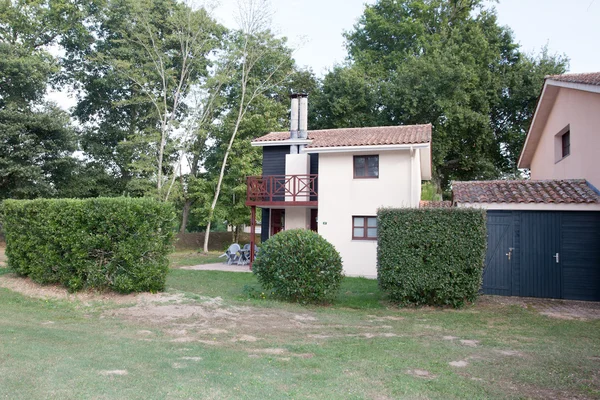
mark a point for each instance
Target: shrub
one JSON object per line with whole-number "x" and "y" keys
{"x": 119, "y": 244}
{"x": 431, "y": 256}
{"x": 300, "y": 266}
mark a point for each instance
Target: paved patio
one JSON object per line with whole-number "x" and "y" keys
{"x": 219, "y": 267}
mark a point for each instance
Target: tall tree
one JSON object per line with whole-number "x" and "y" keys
{"x": 145, "y": 58}
{"x": 263, "y": 62}
{"x": 36, "y": 139}
{"x": 448, "y": 63}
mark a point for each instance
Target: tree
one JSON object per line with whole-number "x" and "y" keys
{"x": 146, "y": 57}
{"x": 36, "y": 139}
{"x": 448, "y": 63}
{"x": 262, "y": 61}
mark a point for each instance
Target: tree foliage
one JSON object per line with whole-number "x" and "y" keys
{"x": 448, "y": 63}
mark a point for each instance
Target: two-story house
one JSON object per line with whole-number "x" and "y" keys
{"x": 544, "y": 233}
{"x": 334, "y": 180}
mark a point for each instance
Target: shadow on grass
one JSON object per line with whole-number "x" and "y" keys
{"x": 359, "y": 293}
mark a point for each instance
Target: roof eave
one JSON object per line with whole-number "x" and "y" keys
{"x": 365, "y": 148}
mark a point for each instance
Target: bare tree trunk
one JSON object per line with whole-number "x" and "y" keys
{"x": 186, "y": 215}
{"x": 237, "y": 234}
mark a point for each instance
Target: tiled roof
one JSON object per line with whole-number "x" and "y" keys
{"x": 375, "y": 136}
{"x": 591, "y": 78}
{"x": 575, "y": 191}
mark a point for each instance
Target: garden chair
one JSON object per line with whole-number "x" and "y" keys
{"x": 232, "y": 254}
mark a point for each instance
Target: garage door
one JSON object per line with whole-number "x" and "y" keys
{"x": 543, "y": 254}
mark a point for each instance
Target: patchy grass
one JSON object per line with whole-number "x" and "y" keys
{"x": 188, "y": 258}
{"x": 206, "y": 338}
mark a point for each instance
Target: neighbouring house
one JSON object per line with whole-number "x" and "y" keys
{"x": 334, "y": 180}
{"x": 544, "y": 233}
{"x": 564, "y": 138}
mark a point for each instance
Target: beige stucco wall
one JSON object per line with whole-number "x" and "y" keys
{"x": 580, "y": 110}
{"x": 341, "y": 197}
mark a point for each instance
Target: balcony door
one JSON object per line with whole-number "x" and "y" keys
{"x": 277, "y": 221}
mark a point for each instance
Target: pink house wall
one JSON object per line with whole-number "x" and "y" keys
{"x": 580, "y": 111}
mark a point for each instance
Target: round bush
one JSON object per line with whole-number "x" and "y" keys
{"x": 299, "y": 265}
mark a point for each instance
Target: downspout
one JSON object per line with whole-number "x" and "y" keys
{"x": 412, "y": 158}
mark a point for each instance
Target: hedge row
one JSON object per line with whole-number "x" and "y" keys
{"x": 431, "y": 256}
{"x": 119, "y": 244}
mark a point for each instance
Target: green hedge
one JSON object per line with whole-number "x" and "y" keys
{"x": 431, "y": 256}
{"x": 299, "y": 265}
{"x": 119, "y": 244}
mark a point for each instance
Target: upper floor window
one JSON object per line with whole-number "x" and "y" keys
{"x": 566, "y": 143}
{"x": 366, "y": 167}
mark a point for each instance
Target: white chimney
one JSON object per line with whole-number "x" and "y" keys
{"x": 303, "y": 118}
{"x": 294, "y": 117}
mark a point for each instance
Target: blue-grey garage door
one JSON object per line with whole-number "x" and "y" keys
{"x": 543, "y": 254}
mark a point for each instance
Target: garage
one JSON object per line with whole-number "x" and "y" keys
{"x": 543, "y": 237}
{"x": 543, "y": 254}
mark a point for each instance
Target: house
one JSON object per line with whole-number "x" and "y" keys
{"x": 564, "y": 138}
{"x": 544, "y": 233}
{"x": 334, "y": 180}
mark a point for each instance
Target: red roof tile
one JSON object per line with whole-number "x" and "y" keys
{"x": 375, "y": 136}
{"x": 591, "y": 78}
{"x": 575, "y": 191}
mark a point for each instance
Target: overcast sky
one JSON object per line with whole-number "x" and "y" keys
{"x": 570, "y": 27}
{"x": 315, "y": 27}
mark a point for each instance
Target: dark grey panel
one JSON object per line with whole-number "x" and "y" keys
{"x": 580, "y": 253}
{"x": 497, "y": 275}
{"x": 540, "y": 275}
{"x": 274, "y": 160}
{"x": 265, "y": 225}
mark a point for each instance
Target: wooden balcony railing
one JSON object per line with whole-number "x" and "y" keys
{"x": 282, "y": 190}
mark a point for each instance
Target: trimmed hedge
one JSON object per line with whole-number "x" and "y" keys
{"x": 119, "y": 244}
{"x": 431, "y": 256}
{"x": 300, "y": 266}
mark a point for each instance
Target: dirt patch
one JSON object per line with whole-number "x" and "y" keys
{"x": 459, "y": 364}
{"x": 3, "y": 260}
{"x": 421, "y": 373}
{"x": 114, "y": 372}
{"x": 552, "y": 308}
{"x": 29, "y": 288}
{"x": 470, "y": 343}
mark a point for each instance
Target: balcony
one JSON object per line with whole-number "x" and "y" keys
{"x": 282, "y": 190}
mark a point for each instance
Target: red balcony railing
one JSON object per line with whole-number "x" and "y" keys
{"x": 282, "y": 190}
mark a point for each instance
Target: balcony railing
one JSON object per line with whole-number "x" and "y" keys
{"x": 282, "y": 190}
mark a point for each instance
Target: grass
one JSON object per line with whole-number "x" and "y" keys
{"x": 186, "y": 258}
{"x": 242, "y": 347}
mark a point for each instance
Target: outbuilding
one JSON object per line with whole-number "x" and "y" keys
{"x": 543, "y": 236}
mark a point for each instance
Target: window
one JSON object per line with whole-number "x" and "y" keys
{"x": 366, "y": 167}
{"x": 566, "y": 143}
{"x": 364, "y": 228}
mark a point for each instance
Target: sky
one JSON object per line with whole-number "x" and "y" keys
{"x": 315, "y": 29}
{"x": 570, "y": 27}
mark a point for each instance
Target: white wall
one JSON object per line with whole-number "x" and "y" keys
{"x": 341, "y": 197}
{"x": 297, "y": 218}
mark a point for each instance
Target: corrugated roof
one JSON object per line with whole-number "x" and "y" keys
{"x": 576, "y": 191}
{"x": 590, "y": 78}
{"x": 374, "y": 136}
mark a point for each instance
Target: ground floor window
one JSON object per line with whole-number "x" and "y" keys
{"x": 364, "y": 227}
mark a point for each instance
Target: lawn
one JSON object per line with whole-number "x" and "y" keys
{"x": 213, "y": 336}
{"x": 184, "y": 258}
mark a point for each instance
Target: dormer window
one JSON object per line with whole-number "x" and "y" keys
{"x": 366, "y": 167}
{"x": 566, "y": 143}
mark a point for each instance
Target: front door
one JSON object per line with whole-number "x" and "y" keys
{"x": 314, "y": 213}
{"x": 541, "y": 261}
{"x": 277, "y": 221}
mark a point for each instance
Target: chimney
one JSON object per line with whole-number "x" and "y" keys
{"x": 294, "y": 117}
{"x": 303, "y": 117}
